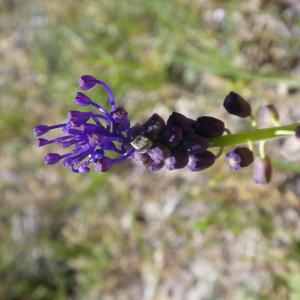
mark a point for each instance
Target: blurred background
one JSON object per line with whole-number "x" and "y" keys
{"x": 129, "y": 234}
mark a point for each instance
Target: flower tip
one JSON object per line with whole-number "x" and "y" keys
{"x": 87, "y": 82}
{"x": 82, "y": 100}
{"x": 76, "y": 118}
{"x": 41, "y": 142}
{"x": 40, "y": 130}
{"x": 52, "y": 158}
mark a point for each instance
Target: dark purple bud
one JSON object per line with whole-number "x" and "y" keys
{"x": 237, "y": 105}
{"x": 178, "y": 159}
{"x": 98, "y": 154}
{"x": 153, "y": 126}
{"x": 297, "y": 133}
{"x": 195, "y": 143}
{"x": 52, "y": 158}
{"x": 136, "y": 130}
{"x": 120, "y": 115}
{"x": 171, "y": 136}
{"x": 41, "y": 129}
{"x": 103, "y": 165}
{"x": 155, "y": 166}
{"x": 87, "y": 82}
{"x": 82, "y": 100}
{"x": 68, "y": 162}
{"x": 159, "y": 152}
{"x": 199, "y": 162}
{"x": 267, "y": 116}
{"x": 209, "y": 127}
{"x": 239, "y": 158}
{"x": 262, "y": 170}
{"x": 181, "y": 121}
{"x": 77, "y": 118}
{"x": 141, "y": 159}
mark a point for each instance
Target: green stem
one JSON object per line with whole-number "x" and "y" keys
{"x": 252, "y": 136}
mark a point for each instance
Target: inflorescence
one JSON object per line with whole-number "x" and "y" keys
{"x": 104, "y": 138}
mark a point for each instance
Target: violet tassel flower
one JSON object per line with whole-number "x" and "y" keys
{"x": 100, "y": 138}
{"x": 104, "y": 137}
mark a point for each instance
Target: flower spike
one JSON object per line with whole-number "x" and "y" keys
{"x": 105, "y": 137}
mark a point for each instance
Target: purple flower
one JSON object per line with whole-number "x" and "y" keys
{"x": 209, "y": 127}
{"x": 181, "y": 121}
{"x": 195, "y": 143}
{"x": 120, "y": 117}
{"x": 52, "y": 158}
{"x": 177, "y": 160}
{"x": 171, "y": 135}
{"x": 91, "y": 136}
{"x": 239, "y": 158}
{"x": 153, "y": 126}
{"x": 141, "y": 159}
{"x": 268, "y": 115}
{"x": 201, "y": 161}
{"x": 262, "y": 170}
{"x": 297, "y": 133}
{"x": 103, "y": 164}
{"x": 82, "y": 99}
{"x": 237, "y": 105}
{"x": 103, "y": 137}
{"x": 155, "y": 166}
{"x": 158, "y": 153}
{"x": 42, "y": 129}
{"x": 87, "y": 82}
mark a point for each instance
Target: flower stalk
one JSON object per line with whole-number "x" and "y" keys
{"x": 253, "y": 136}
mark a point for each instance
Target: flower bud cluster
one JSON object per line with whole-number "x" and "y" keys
{"x": 267, "y": 116}
{"x": 176, "y": 143}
